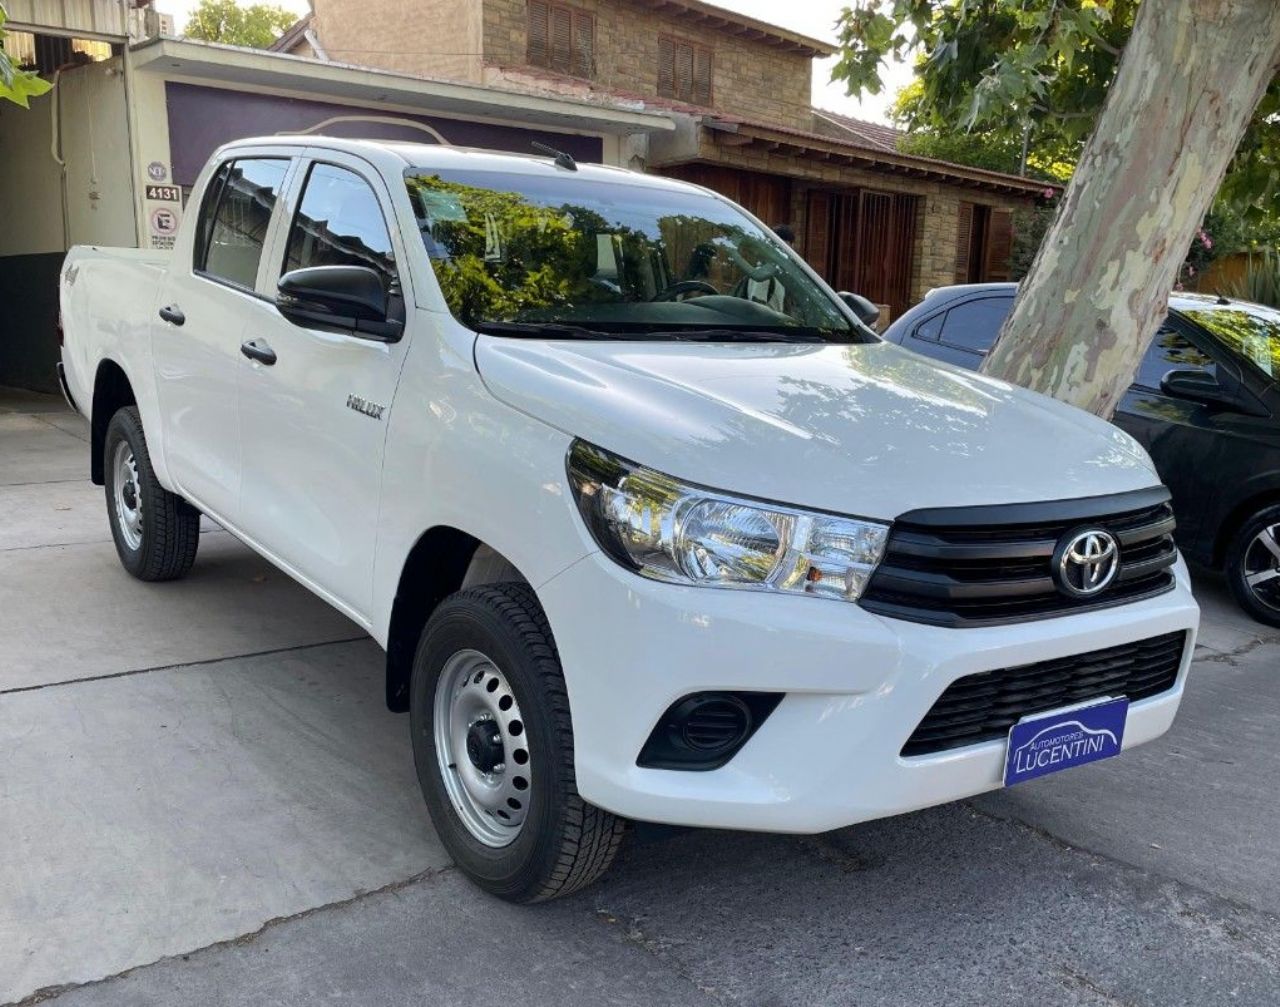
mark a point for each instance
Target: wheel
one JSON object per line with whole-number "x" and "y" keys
{"x": 1253, "y": 565}
{"x": 156, "y": 532}
{"x": 493, "y": 746}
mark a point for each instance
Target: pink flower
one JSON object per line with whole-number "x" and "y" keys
{"x": 1049, "y": 194}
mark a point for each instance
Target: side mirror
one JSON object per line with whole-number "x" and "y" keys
{"x": 868, "y": 313}
{"x": 338, "y": 298}
{"x": 1198, "y": 386}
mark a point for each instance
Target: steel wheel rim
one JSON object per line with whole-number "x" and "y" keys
{"x": 473, "y": 701}
{"x": 128, "y": 496}
{"x": 1262, "y": 566}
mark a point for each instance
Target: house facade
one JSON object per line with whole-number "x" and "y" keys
{"x": 110, "y": 154}
{"x": 868, "y": 217}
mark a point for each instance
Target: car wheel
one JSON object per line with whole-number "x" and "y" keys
{"x": 1253, "y": 565}
{"x": 493, "y": 747}
{"x": 156, "y": 532}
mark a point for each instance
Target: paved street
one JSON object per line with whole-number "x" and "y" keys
{"x": 204, "y": 801}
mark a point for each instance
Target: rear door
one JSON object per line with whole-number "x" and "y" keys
{"x": 210, "y": 295}
{"x": 314, "y": 421}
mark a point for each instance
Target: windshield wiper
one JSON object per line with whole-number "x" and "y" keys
{"x": 561, "y": 330}
{"x": 540, "y": 330}
{"x": 742, "y": 336}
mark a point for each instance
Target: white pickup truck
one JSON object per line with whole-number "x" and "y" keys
{"x": 650, "y": 525}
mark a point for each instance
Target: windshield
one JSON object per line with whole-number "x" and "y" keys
{"x": 593, "y": 258}
{"x": 1248, "y": 330}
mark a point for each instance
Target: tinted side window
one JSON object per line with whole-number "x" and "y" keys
{"x": 931, "y": 327}
{"x": 974, "y": 325}
{"x": 1170, "y": 351}
{"x": 233, "y": 235}
{"x": 339, "y": 223}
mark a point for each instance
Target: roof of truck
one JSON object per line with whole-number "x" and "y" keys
{"x": 393, "y": 156}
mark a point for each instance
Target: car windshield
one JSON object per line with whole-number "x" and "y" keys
{"x": 1248, "y": 330}
{"x": 566, "y": 256}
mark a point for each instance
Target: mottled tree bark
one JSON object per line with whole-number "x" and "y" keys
{"x": 1187, "y": 85}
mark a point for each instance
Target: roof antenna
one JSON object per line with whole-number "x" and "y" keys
{"x": 1222, "y": 298}
{"x": 563, "y": 160}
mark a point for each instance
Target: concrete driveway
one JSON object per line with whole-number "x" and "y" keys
{"x": 203, "y": 800}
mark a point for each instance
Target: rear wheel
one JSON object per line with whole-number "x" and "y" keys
{"x": 493, "y": 746}
{"x": 156, "y": 532}
{"x": 1253, "y": 565}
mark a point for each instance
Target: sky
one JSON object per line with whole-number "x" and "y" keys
{"x": 810, "y": 17}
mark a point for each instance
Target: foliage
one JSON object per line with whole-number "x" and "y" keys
{"x": 995, "y": 149}
{"x": 16, "y": 85}
{"x": 499, "y": 256}
{"x": 1030, "y": 225}
{"x": 1261, "y": 282}
{"x": 998, "y": 68}
{"x": 255, "y": 26}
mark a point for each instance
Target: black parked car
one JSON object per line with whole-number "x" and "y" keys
{"x": 1204, "y": 404}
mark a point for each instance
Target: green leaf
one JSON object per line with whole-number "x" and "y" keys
{"x": 24, "y": 86}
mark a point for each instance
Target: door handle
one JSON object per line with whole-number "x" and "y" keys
{"x": 257, "y": 349}
{"x": 172, "y": 314}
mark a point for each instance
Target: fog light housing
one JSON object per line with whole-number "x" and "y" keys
{"x": 704, "y": 730}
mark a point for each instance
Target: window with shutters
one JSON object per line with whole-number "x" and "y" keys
{"x": 561, "y": 38}
{"x": 984, "y": 243}
{"x": 684, "y": 71}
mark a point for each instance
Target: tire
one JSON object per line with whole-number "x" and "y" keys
{"x": 157, "y": 537}
{"x": 534, "y": 840}
{"x": 1252, "y": 566}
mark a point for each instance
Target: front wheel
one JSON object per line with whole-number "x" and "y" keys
{"x": 1253, "y": 565}
{"x": 156, "y": 532}
{"x": 493, "y": 747}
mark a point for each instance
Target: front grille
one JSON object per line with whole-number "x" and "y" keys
{"x": 984, "y": 707}
{"x": 984, "y": 566}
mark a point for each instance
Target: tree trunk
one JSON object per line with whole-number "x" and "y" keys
{"x": 1187, "y": 85}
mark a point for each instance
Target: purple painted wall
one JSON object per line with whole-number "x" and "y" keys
{"x": 203, "y": 118}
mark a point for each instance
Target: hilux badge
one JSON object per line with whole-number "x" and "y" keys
{"x": 362, "y": 405}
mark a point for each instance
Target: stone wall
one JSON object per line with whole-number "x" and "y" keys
{"x": 749, "y": 79}
{"x": 426, "y": 38}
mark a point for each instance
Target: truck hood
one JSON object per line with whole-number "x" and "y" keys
{"x": 868, "y": 429}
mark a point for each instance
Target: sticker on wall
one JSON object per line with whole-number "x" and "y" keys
{"x": 158, "y": 171}
{"x": 165, "y": 193}
{"x": 164, "y": 227}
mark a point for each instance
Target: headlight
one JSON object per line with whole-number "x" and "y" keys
{"x": 670, "y": 531}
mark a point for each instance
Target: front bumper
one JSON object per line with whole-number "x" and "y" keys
{"x": 856, "y": 686}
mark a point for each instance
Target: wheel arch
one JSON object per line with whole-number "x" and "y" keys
{"x": 443, "y": 560}
{"x": 1237, "y": 516}
{"x": 112, "y": 391}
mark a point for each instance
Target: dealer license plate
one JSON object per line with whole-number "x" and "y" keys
{"x": 1048, "y": 742}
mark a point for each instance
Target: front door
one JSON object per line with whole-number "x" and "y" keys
{"x": 207, "y": 299}
{"x": 1175, "y": 430}
{"x": 314, "y": 421}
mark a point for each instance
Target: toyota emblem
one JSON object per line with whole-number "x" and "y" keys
{"x": 1086, "y": 562}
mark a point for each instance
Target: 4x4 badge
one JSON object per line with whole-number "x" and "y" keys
{"x": 362, "y": 405}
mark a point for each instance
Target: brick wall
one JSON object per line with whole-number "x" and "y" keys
{"x": 426, "y": 38}
{"x": 749, "y": 79}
